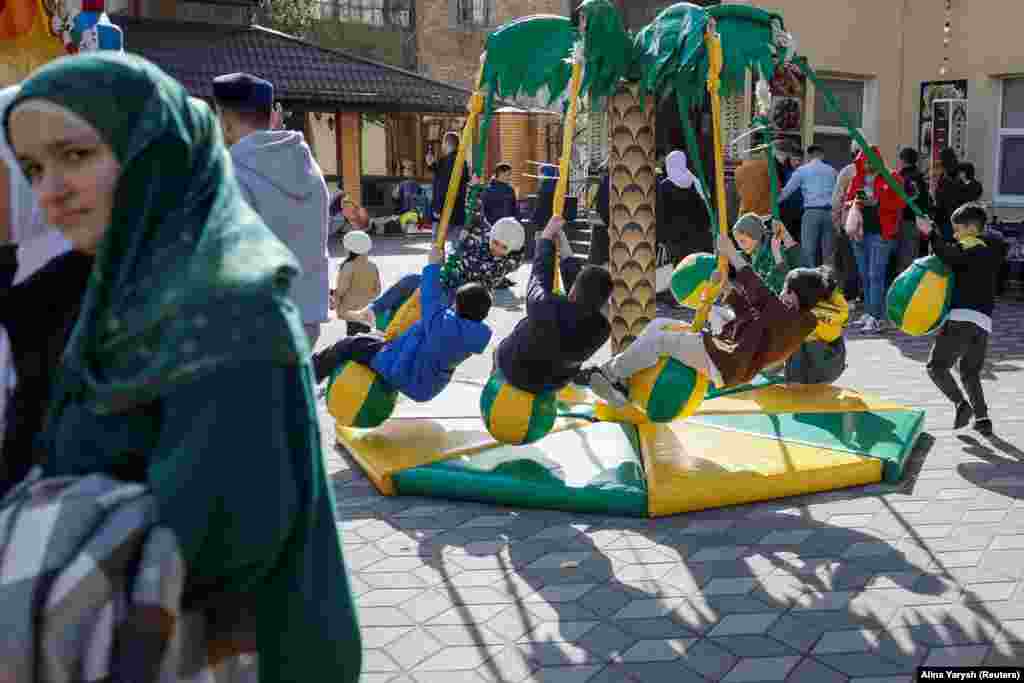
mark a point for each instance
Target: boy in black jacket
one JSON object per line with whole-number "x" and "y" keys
{"x": 560, "y": 332}
{"x": 975, "y": 262}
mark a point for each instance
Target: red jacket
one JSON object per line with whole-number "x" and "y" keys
{"x": 890, "y": 204}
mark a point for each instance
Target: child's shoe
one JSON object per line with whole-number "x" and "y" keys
{"x": 983, "y": 426}
{"x": 608, "y": 389}
{"x": 871, "y": 326}
{"x": 964, "y": 413}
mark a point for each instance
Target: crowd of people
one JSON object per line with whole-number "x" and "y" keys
{"x": 182, "y": 254}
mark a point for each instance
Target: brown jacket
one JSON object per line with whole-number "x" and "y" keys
{"x": 358, "y": 285}
{"x": 754, "y": 187}
{"x": 765, "y": 331}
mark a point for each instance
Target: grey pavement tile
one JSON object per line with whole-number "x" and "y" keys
{"x": 812, "y": 671}
{"x": 566, "y": 674}
{"x": 744, "y": 624}
{"x": 865, "y": 664}
{"x": 561, "y": 611}
{"x": 382, "y": 616}
{"x": 649, "y": 608}
{"x": 1004, "y": 560}
{"x": 428, "y": 605}
{"x": 388, "y": 597}
{"x": 608, "y": 640}
{"x": 659, "y": 627}
{"x": 723, "y": 605}
{"x": 561, "y": 593}
{"x": 383, "y": 678}
{"x": 661, "y": 650}
{"x": 458, "y": 659}
{"x": 839, "y": 642}
{"x": 735, "y": 586}
{"x": 647, "y": 672}
{"x": 378, "y": 661}
{"x": 561, "y": 653}
{"x": 1005, "y": 652}
{"x": 824, "y": 602}
{"x": 511, "y": 665}
{"x": 558, "y": 631}
{"x": 397, "y": 580}
{"x": 761, "y": 669}
{"x": 467, "y": 614}
{"x": 962, "y": 655}
{"x": 754, "y": 646}
{"x": 463, "y": 635}
{"x": 719, "y": 553}
{"x": 413, "y": 648}
{"x": 989, "y": 592}
{"x": 448, "y": 677}
{"x": 374, "y": 637}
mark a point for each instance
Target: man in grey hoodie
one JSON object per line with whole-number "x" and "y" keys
{"x": 282, "y": 183}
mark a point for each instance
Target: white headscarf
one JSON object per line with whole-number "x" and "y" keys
{"x": 677, "y": 172}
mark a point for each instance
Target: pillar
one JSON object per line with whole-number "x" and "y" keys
{"x": 350, "y": 134}
{"x": 631, "y": 206}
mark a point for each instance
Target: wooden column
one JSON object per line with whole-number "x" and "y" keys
{"x": 420, "y": 159}
{"x": 350, "y": 140}
{"x": 632, "y": 200}
{"x": 339, "y": 150}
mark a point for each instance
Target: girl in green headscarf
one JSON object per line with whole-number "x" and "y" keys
{"x": 187, "y": 367}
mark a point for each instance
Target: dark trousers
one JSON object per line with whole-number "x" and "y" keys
{"x": 397, "y": 293}
{"x": 354, "y": 328}
{"x": 361, "y": 348}
{"x": 967, "y": 343}
{"x": 570, "y": 268}
{"x": 845, "y": 264}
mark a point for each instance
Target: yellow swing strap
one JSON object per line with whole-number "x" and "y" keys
{"x": 713, "y": 43}
{"x": 409, "y": 312}
{"x": 568, "y": 132}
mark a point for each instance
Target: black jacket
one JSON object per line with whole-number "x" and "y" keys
{"x": 443, "y": 168}
{"x": 915, "y": 183}
{"x": 498, "y": 201}
{"x": 976, "y": 269}
{"x": 547, "y": 348}
{"x": 684, "y": 225}
{"x": 38, "y": 315}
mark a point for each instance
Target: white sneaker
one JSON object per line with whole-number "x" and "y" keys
{"x": 872, "y": 326}
{"x": 863, "y": 319}
{"x": 605, "y": 388}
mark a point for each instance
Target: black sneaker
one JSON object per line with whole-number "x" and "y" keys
{"x": 983, "y": 426}
{"x": 582, "y": 377}
{"x": 964, "y": 413}
{"x": 608, "y": 389}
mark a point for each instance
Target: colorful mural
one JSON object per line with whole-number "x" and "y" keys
{"x": 32, "y": 32}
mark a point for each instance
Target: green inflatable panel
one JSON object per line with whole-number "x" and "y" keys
{"x": 888, "y": 435}
{"x": 594, "y": 469}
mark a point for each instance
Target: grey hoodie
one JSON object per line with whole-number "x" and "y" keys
{"x": 283, "y": 183}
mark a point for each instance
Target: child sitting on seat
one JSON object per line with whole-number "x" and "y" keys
{"x": 766, "y": 330}
{"x": 547, "y": 348}
{"x": 420, "y": 362}
{"x": 484, "y": 258}
{"x": 975, "y": 260}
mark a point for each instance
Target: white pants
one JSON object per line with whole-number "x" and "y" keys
{"x": 657, "y": 341}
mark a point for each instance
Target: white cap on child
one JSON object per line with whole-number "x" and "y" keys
{"x": 509, "y": 232}
{"x": 358, "y": 242}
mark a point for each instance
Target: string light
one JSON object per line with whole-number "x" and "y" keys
{"x": 947, "y": 30}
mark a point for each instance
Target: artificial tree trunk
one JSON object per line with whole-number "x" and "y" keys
{"x": 632, "y": 233}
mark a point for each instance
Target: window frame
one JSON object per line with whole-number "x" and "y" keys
{"x": 1001, "y": 133}
{"x": 343, "y": 10}
{"x": 460, "y": 20}
{"x": 868, "y": 114}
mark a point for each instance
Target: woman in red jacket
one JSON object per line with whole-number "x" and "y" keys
{"x": 882, "y": 208}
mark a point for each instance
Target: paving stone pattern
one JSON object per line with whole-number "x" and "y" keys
{"x": 860, "y": 585}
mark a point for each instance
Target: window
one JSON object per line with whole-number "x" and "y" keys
{"x": 829, "y": 131}
{"x": 553, "y": 133}
{"x": 472, "y": 13}
{"x": 1010, "y": 145}
{"x": 374, "y": 12}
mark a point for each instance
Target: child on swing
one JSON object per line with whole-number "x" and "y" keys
{"x": 560, "y": 331}
{"x": 420, "y": 362}
{"x": 766, "y": 330}
{"x": 486, "y": 255}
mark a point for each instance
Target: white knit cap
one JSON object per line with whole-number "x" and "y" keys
{"x": 509, "y": 232}
{"x": 358, "y": 242}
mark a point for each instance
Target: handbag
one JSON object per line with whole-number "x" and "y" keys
{"x": 855, "y": 224}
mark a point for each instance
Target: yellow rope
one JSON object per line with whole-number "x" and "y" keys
{"x": 409, "y": 312}
{"x": 475, "y": 106}
{"x": 569, "y": 130}
{"x": 713, "y": 41}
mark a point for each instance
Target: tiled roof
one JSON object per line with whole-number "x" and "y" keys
{"x": 301, "y": 72}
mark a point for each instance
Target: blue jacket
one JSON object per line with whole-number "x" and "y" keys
{"x": 420, "y": 362}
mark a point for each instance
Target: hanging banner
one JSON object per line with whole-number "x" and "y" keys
{"x": 930, "y": 92}
{"x": 949, "y": 129}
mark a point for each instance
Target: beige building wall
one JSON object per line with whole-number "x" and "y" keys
{"x": 895, "y": 45}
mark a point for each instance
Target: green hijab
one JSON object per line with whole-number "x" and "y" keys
{"x": 187, "y": 277}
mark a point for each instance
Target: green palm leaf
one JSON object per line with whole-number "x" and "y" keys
{"x": 607, "y": 47}
{"x": 530, "y": 55}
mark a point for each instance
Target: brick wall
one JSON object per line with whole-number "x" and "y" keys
{"x": 453, "y": 54}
